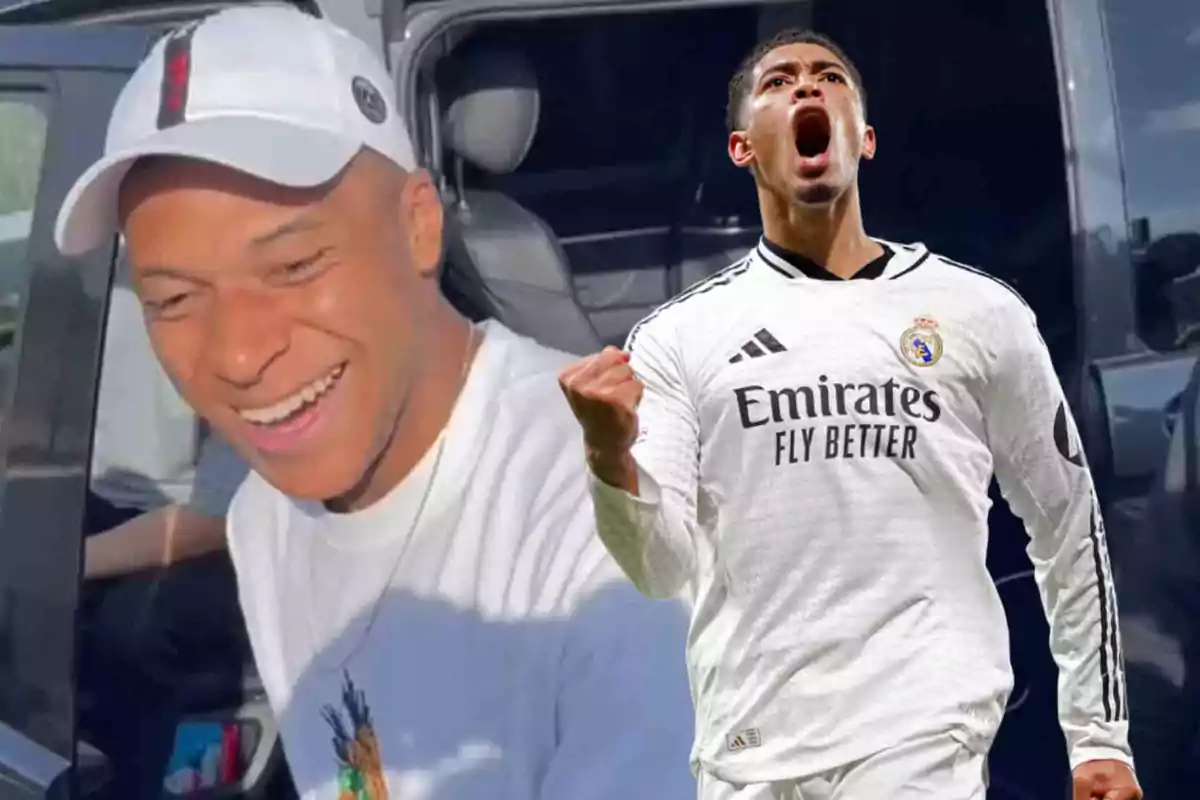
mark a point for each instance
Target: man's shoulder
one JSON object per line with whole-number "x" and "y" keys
{"x": 973, "y": 283}
{"x": 532, "y": 425}
{"x": 696, "y": 304}
{"x": 528, "y": 378}
{"x": 254, "y": 498}
{"x": 253, "y": 523}
{"x": 526, "y": 360}
{"x": 526, "y": 417}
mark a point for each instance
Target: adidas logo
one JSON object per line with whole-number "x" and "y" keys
{"x": 754, "y": 347}
{"x": 743, "y": 739}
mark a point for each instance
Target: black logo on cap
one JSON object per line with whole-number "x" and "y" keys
{"x": 370, "y": 101}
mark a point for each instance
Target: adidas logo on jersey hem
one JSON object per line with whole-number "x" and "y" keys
{"x": 762, "y": 344}
{"x": 743, "y": 739}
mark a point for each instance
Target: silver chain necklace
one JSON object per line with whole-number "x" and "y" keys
{"x": 377, "y": 605}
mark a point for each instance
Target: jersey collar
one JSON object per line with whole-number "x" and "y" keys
{"x": 895, "y": 261}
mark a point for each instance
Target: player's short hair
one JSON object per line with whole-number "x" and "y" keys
{"x": 739, "y": 83}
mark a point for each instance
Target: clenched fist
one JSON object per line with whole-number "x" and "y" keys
{"x": 1105, "y": 780}
{"x": 604, "y": 394}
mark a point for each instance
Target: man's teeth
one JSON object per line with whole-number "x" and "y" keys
{"x": 277, "y": 412}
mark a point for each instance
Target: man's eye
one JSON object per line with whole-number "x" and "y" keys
{"x": 302, "y": 270}
{"x": 833, "y": 76}
{"x": 297, "y": 268}
{"x": 172, "y": 305}
{"x": 776, "y": 82}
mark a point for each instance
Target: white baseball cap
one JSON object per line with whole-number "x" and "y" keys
{"x": 266, "y": 90}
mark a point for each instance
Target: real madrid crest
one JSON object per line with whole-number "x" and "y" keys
{"x": 921, "y": 345}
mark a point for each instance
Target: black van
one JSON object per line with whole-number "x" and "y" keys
{"x": 1054, "y": 143}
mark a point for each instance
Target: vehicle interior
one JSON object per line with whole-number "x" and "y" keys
{"x": 621, "y": 182}
{"x": 583, "y": 161}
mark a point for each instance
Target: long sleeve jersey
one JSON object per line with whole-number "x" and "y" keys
{"x": 814, "y": 456}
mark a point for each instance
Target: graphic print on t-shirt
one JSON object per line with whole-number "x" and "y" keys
{"x": 360, "y": 762}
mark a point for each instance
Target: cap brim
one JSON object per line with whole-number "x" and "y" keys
{"x": 280, "y": 152}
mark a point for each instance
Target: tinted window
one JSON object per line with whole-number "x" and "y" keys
{"x": 22, "y": 139}
{"x": 617, "y": 132}
{"x": 635, "y": 109}
{"x": 633, "y": 137}
{"x": 1155, "y": 51}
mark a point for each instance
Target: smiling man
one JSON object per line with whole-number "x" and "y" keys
{"x": 430, "y": 610}
{"x": 804, "y": 443}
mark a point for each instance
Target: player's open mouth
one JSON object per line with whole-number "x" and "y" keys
{"x": 812, "y": 131}
{"x": 296, "y": 404}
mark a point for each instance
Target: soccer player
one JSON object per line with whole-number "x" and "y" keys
{"x": 803, "y": 445}
{"x": 430, "y": 610}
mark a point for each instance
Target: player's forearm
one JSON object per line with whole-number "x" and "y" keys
{"x": 1076, "y": 585}
{"x": 1053, "y": 494}
{"x": 1095, "y": 740}
{"x": 1093, "y": 705}
{"x": 652, "y": 547}
{"x": 157, "y": 538}
{"x": 1043, "y": 472}
{"x": 644, "y": 492}
{"x": 617, "y": 469}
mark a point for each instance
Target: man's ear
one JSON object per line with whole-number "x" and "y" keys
{"x": 741, "y": 153}
{"x": 424, "y": 221}
{"x": 868, "y": 150}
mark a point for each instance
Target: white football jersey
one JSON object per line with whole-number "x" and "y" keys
{"x": 814, "y": 460}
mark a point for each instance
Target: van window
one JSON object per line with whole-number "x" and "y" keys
{"x": 1155, "y": 52}
{"x": 629, "y": 166}
{"x": 22, "y": 140}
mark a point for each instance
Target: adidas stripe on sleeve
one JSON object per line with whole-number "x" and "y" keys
{"x": 1042, "y": 472}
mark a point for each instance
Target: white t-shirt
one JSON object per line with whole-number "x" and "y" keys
{"x": 510, "y": 658}
{"x": 814, "y": 462}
